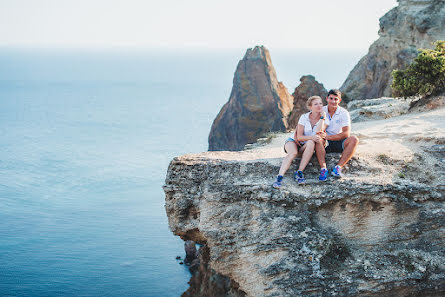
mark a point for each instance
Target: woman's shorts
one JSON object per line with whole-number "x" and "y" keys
{"x": 326, "y": 144}
{"x": 288, "y": 140}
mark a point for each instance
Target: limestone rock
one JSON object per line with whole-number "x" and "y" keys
{"x": 258, "y": 104}
{"x": 380, "y": 108}
{"x": 387, "y": 107}
{"x": 379, "y": 231}
{"x": 413, "y": 24}
{"x": 308, "y": 87}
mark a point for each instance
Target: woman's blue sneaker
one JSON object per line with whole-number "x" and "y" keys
{"x": 298, "y": 176}
{"x": 323, "y": 174}
{"x": 277, "y": 183}
{"x": 336, "y": 171}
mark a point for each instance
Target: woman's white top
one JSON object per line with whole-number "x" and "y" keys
{"x": 306, "y": 122}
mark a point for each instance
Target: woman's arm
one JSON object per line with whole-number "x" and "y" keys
{"x": 320, "y": 126}
{"x": 301, "y": 137}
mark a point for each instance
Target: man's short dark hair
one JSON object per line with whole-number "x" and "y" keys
{"x": 335, "y": 92}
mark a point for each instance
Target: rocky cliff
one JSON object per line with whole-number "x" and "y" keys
{"x": 413, "y": 24}
{"x": 308, "y": 86}
{"x": 379, "y": 231}
{"x": 258, "y": 104}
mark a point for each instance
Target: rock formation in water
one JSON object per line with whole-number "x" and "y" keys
{"x": 379, "y": 231}
{"x": 258, "y": 104}
{"x": 413, "y": 24}
{"x": 308, "y": 86}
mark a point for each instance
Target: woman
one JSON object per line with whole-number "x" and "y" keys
{"x": 309, "y": 136}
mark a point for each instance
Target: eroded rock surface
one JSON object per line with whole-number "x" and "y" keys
{"x": 428, "y": 103}
{"x": 380, "y": 108}
{"x": 403, "y": 30}
{"x": 379, "y": 231}
{"x": 308, "y": 87}
{"x": 258, "y": 104}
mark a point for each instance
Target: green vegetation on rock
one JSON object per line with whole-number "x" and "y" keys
{"x": 424, "y": 76}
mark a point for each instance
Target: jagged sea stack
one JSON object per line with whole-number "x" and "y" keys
{"x": 403, "y": 30}
{"x": 258, "y": 104}
{"x": 308, "y": 86}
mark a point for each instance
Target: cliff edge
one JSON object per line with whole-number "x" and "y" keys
{"x": 379, "y": 231}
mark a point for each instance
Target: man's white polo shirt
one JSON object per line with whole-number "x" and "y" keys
{"x": 339, "y": 120}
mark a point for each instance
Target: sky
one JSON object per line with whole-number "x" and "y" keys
{"x": 172, "y": 24}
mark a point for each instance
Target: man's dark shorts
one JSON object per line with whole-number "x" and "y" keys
{"x": 335, "y": 146}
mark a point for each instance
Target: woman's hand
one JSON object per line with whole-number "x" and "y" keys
{"x": 322, "y": 134}
{"x": 316, "y": 138}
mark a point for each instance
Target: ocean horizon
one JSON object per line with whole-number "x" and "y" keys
{"x": 87, "y": 136}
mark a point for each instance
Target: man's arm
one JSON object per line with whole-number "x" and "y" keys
{"x": 340, "y": 136}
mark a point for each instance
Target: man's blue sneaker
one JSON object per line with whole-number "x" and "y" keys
{"x": 336, "y": 171}
{"x": 298, "y": 176}
{"x": 323, "y": 174}
{"x": 277, "y": 183}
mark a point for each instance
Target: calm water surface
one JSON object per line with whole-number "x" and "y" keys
{"x": 86, "y": 138}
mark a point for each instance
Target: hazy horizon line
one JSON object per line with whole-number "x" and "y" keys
{"x": 169, "y": 49}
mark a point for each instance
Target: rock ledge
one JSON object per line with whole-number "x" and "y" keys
{"x": 380, "y": 231}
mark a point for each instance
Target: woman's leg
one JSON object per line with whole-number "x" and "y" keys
{"x": 308, "y": 151}
{"x": 292, "y": 152}
{"x": 321, "y": 154}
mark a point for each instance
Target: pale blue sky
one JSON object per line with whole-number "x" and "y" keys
{"x": 191, "y": 23}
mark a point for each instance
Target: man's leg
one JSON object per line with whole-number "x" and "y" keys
{"x": 350, "y": 145}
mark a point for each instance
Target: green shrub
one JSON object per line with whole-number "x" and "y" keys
{"x": 424, "y": 76}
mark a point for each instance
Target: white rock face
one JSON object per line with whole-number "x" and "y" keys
{"x": 403, "y": 30}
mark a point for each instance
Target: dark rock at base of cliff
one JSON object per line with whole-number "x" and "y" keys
{"x": 258, "y": 104}
{"x": 308, "y": 87}
{"x": 190, "y": 251}
{"x": 206, "y": 282}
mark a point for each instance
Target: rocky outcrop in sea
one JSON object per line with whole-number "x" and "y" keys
{"x": 379, "y": 231}
{"x": 413, "y": 24}
{"x": 308, "y": 86}
{"x": 258, "y": 104}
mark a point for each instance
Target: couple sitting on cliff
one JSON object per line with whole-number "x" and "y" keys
{"x": 325, "y": 129}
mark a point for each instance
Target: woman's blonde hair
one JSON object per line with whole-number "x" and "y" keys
{"x": 312, "y": 98}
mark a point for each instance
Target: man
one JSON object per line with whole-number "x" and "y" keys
{"x": 338, "y": 131}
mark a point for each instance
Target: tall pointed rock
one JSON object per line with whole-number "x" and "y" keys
{"x": 258, "y": 104}
{"x": 403, "y": 30}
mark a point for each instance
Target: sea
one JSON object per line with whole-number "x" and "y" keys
{"x": 86, "y": 137}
